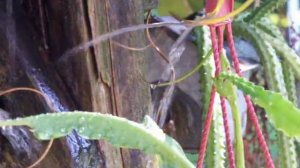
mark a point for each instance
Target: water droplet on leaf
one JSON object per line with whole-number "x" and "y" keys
{"x": 63, "y": 130}
{"x": 43, "y": 135}
{"x": 81, "y": 120}
{"x": 81, "y": 130}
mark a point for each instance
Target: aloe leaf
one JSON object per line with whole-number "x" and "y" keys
{"x": 264, "y": 48}
{"x": 268, "y": 27}
{"x": 216, "y": 149}
{"x": 120, "y": 132}
{"x": 265, "y": 9}
{"x": 274, "y": 72}
{"x": 285, "y": 51}
{"x": 289, "y": 80}
{"x": 274, "y": 75}
{"x": 281, "y": 112}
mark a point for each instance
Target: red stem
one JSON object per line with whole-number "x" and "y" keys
{"x": 217, "y": 49}
{"x": 206, "y": 128}
{"x": 220, "y": 30}
{"x": 251, "y": 111}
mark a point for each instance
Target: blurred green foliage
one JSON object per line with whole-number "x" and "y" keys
{"x": 182, "y": 8}
{"x": 179, "y": 8}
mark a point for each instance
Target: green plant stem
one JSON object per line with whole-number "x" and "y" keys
{"x": 289, "y": 80}
{"x": 188, "y": 74}
{"x": 229, "y": 91}
{"x": 238, "y": 143}
{"x": 216, "y": 148}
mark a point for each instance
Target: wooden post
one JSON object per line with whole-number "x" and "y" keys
{"x": 106, "y": 77}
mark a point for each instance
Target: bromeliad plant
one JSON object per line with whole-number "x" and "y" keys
{"x": 150, "y": 138}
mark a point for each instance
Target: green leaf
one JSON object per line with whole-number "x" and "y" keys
{"x": 193, "y": 157}
{"x": 289, "y": 80}
{"x": 281, "y": 112}
{"x": 196, "y": 5}
{"x": 180, "y": 8}
{"x": 285, "y": 51}
{"x": 273, "y": 72}
{"x": 216, "y": 149}
{"x": 265, "y": 50}
{"x": 265, "y": 9}
{"x": 120, "y": 132}
{"x": 228, "y": 90}
{"x": 268, "y": 27}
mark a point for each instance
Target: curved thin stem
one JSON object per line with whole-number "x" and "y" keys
{"x": 131, "y": 48}
{"x": 106, "y": 36}
{"x": 47, "y": 100}
{"x": 42, "y": 157}
{"x": 188, "y": 74}
{"x": 152, "y": 43}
